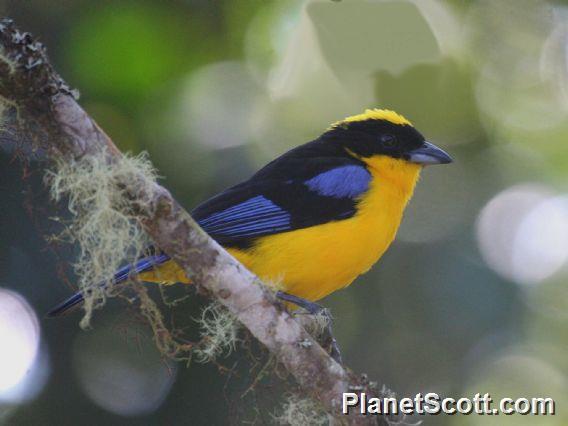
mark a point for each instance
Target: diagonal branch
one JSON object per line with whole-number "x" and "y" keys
{"x": 43, "y": 111}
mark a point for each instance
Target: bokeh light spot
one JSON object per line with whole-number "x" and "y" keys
{"x": 19, "y": 340}
{"x": 127, "y": 50}
{"x": 122, "y": 373}
{"x": 217, "y": 106}
{"x": 523, "y": 233}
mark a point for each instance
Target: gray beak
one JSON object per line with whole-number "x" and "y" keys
{"x": 429, "y": 153}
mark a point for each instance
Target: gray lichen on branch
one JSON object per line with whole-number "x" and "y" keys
{"x": 42, "y": 110}
{"x": 103, "y": 223}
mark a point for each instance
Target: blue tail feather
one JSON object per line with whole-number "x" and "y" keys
{"x": 144, "y": 264}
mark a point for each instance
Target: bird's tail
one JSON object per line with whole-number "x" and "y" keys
{"x": 123, "y": 274}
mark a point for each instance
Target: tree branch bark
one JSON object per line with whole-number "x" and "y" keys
{"x": 43, "y": 111}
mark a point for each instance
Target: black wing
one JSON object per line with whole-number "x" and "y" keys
{"x": 290, "y": 193}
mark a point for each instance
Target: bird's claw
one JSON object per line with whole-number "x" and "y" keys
{"x": 315, "y": 309}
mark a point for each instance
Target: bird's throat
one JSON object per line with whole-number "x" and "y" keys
{"x": 399, "y": 175}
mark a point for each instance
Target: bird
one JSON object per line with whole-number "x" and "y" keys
{"x": 316, "y": 217}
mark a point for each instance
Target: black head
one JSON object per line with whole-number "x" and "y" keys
{"x": 384, "y": 132}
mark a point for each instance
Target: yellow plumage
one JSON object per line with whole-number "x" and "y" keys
{"x": 375, "y": 114}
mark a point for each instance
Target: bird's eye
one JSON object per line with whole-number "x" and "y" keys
{"x": 388, "y": 140}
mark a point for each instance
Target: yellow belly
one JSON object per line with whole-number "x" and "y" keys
{"x": 314, "y": 262}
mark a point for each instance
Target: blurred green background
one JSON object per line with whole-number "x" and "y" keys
{"x": 472, "y": 296}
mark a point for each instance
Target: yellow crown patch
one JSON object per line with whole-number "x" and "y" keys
{"x": 375, "y": 114}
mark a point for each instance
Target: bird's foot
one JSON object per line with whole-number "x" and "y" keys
{"x": 317, "y": 310}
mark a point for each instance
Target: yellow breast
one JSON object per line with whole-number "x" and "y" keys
{"x": 313, "y": 262}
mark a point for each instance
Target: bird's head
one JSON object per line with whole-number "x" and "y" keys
{"x": 384, "y": 133}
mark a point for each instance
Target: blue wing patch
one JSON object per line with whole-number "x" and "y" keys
{"x": 341, "y": 182}
{"x": 257, "y": 215}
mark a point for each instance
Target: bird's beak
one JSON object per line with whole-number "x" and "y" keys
{"x": 429, "y": 153}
